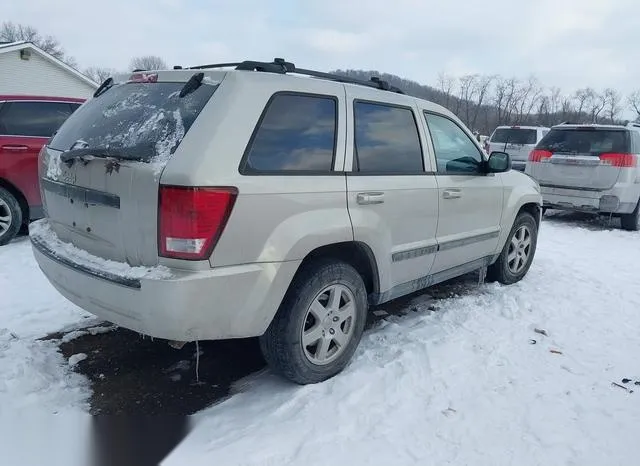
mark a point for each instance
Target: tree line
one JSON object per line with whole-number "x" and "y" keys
{"x": 481, "y": 101}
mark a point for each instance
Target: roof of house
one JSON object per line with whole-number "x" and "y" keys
{"x": 6, "y": 47}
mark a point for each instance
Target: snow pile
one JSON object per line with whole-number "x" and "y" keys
{"x": 41, "y": 231}
{"x": 466, "y": 384}
{"x": 33, "y": 374}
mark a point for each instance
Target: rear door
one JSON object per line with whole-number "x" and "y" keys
{"x": 105, "y": 201}
{"x": 25, "y": 127}
{"x": 589, "y": 157}
{"x": 392, "y": 199}
{"x": 470, "y": 200}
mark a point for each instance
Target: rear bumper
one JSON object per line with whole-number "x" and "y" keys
{"x": 618, "y": 200}
{"x": 227, "y": 302}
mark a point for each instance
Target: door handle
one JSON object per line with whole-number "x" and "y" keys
{"x": 452, "y": 194}
{"x": 370, "y": 198}
{"x": 15, "y": 148}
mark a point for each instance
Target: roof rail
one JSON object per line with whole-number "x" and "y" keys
{"x": 281, "y": 66}
{"x": 633, "y": 124}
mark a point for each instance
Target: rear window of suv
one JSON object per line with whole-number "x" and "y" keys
{"x": 148, "y": 120}
{"x": 588, "y": 141}
{"x": 514, "y": 136}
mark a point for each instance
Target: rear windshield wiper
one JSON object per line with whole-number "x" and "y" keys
{"x": 130, "y": 153}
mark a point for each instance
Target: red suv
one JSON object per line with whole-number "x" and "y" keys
{"x": 26, "y": 123}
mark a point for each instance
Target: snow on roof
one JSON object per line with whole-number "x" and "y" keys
{"x": 20, "y": 45}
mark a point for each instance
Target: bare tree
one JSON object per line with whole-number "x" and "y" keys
{"x": 634, "y": 102}
{"x": 584, "y": 98}
{"x": 99, "y": 74}
{"x": 148, "y": 62}
{"x": 482, "y": 87}
{"x": 12, "y": 32}
{"x": 566, "y": 108}
{"x": 466, "y": 93}
{"x": 598, "y": 104}
{"x": 528, "y": 94}
{"x": 612, "y": 98}
{"x": 555, "y": 100}
{"x": 446, "y": 83}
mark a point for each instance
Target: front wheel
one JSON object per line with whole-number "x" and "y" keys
{"x": 517, "y": 255}
{"x": 319, "y": 324}
{"x": 10, "y": 216}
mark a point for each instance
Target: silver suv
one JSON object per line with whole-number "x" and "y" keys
{"x": 210, "y": 203}
{"x": 517, "y": 141}
{"x": 590, "y": 168}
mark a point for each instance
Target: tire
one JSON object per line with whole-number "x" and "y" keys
{"x": 508, "y": 271}
{"x": 10, "y": 216}
{"x": 300, "y": 358}
{"x": 631, "y": 222}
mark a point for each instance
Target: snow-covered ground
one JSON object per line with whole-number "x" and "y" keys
{"x": 463, "y": 385}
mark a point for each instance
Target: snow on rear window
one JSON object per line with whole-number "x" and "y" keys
{"x": 150, "y": 118}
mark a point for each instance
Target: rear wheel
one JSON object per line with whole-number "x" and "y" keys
{"x": 10, "y": 216}
{"x": 319, "y": 324}
{"x": 631, "y": 222}
{"x": 517, "y": 255}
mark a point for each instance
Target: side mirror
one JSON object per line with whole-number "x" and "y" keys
{"x": 499, "y": 162}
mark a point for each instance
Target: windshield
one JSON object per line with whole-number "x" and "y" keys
{"x": 514, "y": 136}
{"x": 585, "y": 141}
{"x": 150, "y": 118}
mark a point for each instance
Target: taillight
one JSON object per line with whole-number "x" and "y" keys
{"x": 619, "y": 160}
{"x": 538, "y": 155}
{"x": 191, "y": 220}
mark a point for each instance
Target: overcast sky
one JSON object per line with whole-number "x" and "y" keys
{"x": 565, "y": 43}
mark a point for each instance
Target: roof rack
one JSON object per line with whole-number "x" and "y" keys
{"x": 281, "y": 66}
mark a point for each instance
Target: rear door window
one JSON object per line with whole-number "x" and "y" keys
{"x": 588, "y": 141}
{"x": 514, "y": 136}
{"x": 34, "y": 119}
{"x": 147, "y": 121}
{"x": 296, "y": 134}
{"x": 386, "y": 140}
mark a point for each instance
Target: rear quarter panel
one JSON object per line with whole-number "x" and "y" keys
{"x": 276, "y": 217}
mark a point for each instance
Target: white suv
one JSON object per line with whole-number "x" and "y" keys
{"x": 206, "y": 203}
{"x": 517, "y": 141}
{"x": 590, "y": 168}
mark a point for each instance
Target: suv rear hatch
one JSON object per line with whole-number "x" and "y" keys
{"x": 515, "y": 141}
{"x": 100, "y": 173}
{"x": 586, "y": 157}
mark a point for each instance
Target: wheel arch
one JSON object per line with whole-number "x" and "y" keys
{"x": 355, "y": 253}
{"x": 22, "y": 200}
